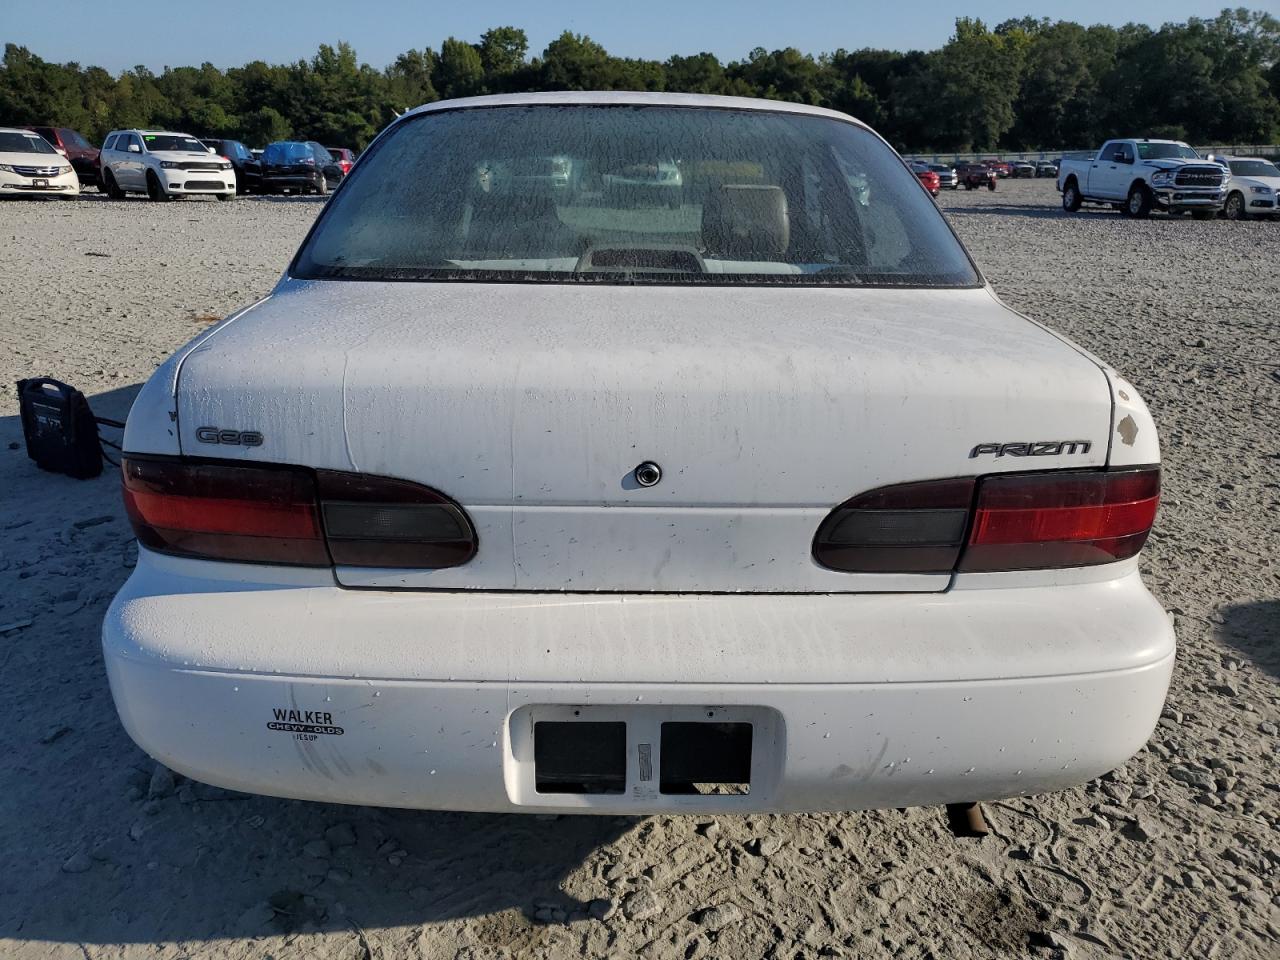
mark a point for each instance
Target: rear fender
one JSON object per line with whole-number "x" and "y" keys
{"x": 1134, "y": 441}
{"x": 152, "y": 424}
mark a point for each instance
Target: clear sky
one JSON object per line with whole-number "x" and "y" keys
{"x": 232, "y": 32}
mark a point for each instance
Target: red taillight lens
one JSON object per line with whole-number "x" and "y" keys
{"x": 225, "y": 512}
{"x": 910, "y": 528}
{"x": 1036, "y": 521}
{"x": 1017, "y": 522}
{"x": 264, "y": 513}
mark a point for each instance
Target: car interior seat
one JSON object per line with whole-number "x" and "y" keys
{"x": 746, "y": 222}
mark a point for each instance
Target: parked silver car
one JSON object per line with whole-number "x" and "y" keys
{"x": 947, "y": 178}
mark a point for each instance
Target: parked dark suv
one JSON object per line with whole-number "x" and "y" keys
{"x": 82, "y": 154}
{"x": 248, "y": 170}
{"x": 296, "y": 165}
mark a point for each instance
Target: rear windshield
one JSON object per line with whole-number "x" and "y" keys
{"x": 1254, "y": 168}
{"x": 286, "y": 153}
{"x": 169, "y": 141}
{"x": 561, "y": 193}
{"x": 1166, "y": 151}
{"x": 24, "y": 143}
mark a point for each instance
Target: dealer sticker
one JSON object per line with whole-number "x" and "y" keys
{"x": 309, "y": 723}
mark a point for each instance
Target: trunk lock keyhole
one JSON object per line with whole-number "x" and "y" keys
{"x": 648, "y": 474}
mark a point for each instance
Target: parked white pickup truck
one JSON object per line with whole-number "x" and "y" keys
{"x": 1135, "y": 176}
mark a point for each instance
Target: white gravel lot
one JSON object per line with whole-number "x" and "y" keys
{"x": 1174, "y": 855}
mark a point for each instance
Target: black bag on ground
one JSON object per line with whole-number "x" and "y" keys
{"x": 59, "y": 427}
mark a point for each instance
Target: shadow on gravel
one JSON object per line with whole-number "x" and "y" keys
{"x": 1254, "y": 630}
{"x": 285, "y": 197}
{"x": 1007, "y": 210}
{"x": 134, "y": 198}
{"x": 93, "y": 851}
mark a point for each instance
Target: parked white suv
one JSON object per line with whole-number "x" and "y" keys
{"x": 163, "y": 165}
{"x": 516, "y": 498}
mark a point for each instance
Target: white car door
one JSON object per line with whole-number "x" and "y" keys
{"x": 1112, "y": 172}
{"x": 109, "y": 158}
{"x": 131, "y": 164}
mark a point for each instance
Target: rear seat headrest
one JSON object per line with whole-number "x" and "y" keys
{"x": 746, "y": 221}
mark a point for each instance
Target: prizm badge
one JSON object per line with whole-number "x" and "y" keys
{"x": 1037, "y": 448}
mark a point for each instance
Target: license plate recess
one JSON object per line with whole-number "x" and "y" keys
{"x": 613, "y": 755}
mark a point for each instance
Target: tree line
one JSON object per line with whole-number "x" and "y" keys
{"x": 1024, "y": 85}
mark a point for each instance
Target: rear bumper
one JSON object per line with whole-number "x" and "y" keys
{"x": 427, "y": 699}
{"x": 291, "y": 181}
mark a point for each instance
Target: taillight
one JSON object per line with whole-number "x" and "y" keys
{"x": 909, "y": 528}
{"x": 1001, "y": 522}
{"x": 265, "y": 513}
{"x": 225, "y": 512}
{"x": 380, "y": 522}
{"x": 1038, "y": 521}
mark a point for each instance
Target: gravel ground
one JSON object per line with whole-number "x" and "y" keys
{"x": 1174, "y": 855}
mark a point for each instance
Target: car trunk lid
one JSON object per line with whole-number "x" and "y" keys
{"x": 531, "y": 405}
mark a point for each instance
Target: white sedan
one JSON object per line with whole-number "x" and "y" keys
{"x": 506, "y": 500}
{"x": 1253, "y": 190}
{"x": 31, "y": 166}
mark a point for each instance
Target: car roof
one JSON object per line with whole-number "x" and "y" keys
{"x": 17, "y": 130}
{"x": 632, "y": 98}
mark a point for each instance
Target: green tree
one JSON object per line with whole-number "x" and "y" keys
{"x": 408, "y": 80}
{"x": 701, "y": 73}
{"x": 502, "y": 53}
{"x": 781, "y": 75}
{"x": 460, "y": 72}
{"x": 576, "y": 62}
{"x": 1028, "y": 83}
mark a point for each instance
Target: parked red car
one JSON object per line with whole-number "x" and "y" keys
{"x": 343, "y": 157}
{"x": 1003, "y": 168}
{"x": 82, "y": 154}
{"x": 931, "y": 181}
